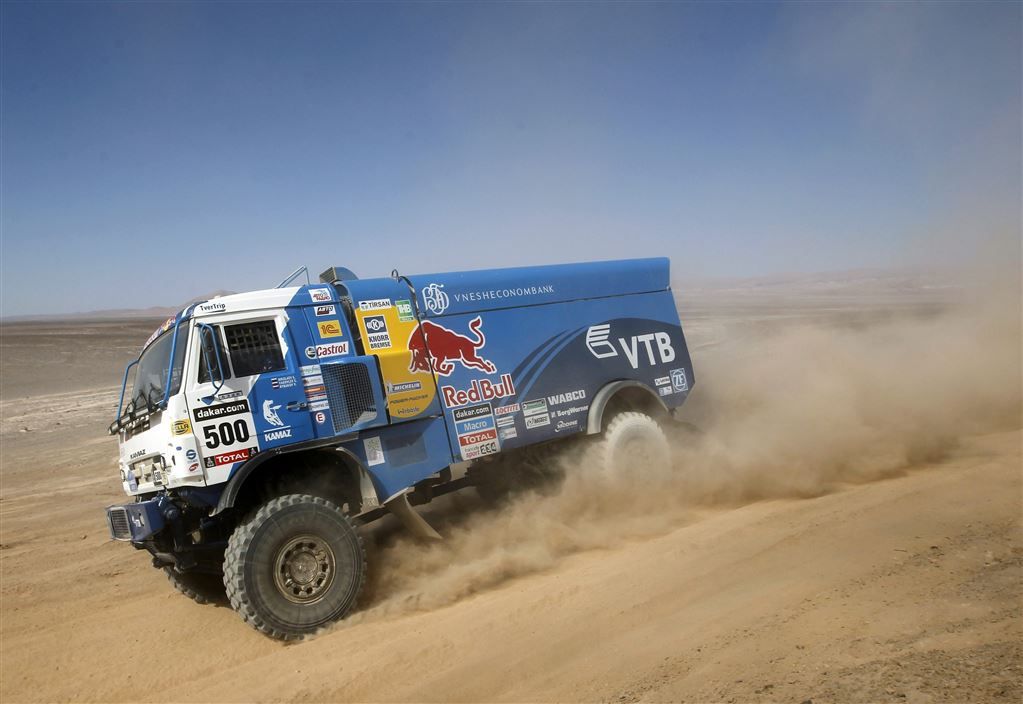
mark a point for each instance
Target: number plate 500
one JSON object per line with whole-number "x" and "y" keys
{"x": 225, "y": 434}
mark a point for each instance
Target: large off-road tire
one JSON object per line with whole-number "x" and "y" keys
{"x": 294, "y": 565}
{"x": 634, "y": 444}
{"x": 199, "y": 587}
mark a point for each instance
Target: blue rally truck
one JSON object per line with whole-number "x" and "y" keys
{"x": 263, "y": 429}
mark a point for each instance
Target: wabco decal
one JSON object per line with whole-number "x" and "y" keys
{"x": 601, "y": 347}
{"x": 435, "y": 347}
{"x": 329, "y": 328}
{"x": 479, "y": 390}
{"x": 568, "y": 397}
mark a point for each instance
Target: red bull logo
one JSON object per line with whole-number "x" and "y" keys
{"x": 479, "y": 390}
{"x": 436, "y": 348}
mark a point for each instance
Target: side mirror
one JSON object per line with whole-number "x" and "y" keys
{"x": 205, "y": 328}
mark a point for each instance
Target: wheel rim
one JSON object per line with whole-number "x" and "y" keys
{"x": 304, "y": 569}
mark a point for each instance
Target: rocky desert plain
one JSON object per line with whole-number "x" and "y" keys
{"x": 845, "y": 526}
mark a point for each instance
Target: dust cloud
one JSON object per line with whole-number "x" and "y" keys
{"x": 796, "y": 412}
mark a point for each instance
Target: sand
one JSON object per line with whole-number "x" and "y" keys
{"x": 842, "y": 531}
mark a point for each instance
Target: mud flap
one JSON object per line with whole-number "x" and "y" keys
{"x": 401, "y": 508}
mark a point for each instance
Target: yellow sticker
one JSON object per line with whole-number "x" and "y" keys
{"x": 330, "y": 328}
{"x": 182, "y": 427}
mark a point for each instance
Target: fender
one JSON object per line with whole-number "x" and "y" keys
{"x": 237, "y": 480}
{"x": 595, "y": 416}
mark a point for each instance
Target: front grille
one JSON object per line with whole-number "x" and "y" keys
{"x": 349, "y": 394}
{"x": 117, "y": 516}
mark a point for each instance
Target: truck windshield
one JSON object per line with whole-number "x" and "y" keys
{"x": 151, "y": 374}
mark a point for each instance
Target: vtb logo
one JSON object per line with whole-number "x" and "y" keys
{"x": 435, "y": 347}
{"x": 601, "y": 347}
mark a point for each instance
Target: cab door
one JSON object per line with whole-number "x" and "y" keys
{"x": 246, "y": 395}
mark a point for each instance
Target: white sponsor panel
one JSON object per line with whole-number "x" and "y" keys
{"x": 507, "y": 433}
{"x": 320, "y": 295}
{"x": 374, "y": 451}
{"x": 325, "y": 310}
{"x": 662, "y": 381}
{"x": 537, "y": 421}
{"x": 505, "y": 410}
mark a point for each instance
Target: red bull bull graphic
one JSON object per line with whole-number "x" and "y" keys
{"x": 436, "y": 348}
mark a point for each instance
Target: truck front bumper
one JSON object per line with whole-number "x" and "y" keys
{"x": 136, "y": 522}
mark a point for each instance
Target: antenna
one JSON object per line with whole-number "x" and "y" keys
{"x": 293, "y": 276}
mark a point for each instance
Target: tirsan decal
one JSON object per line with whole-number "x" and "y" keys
{"x": 434, "y": 299}
{"x": 376, "y": 332}
{"x": 212, "y": 307}
{"x": 375, "y": 304}
{"x": 330, "y": 328}
{"x": 181, "y": 427}
{"x": 320, "y": 295}
{"x": 434, "y": 346}
{"x": 678, "y": 380}
{"x": 405, "y": 313}
{"x": 479, "y": 390}
{"x": 567, "y": 397}
{"x": 283, "y": 382}
{"x": 404, "y": 386}
{"x": 224, "y": 409}
{"x": 332, "y": 349}
{"x": 325, "y": 310}
{"x": 270, "y": 413}
{"x": 229, "y": 457}
{"x": 601, "y": 347}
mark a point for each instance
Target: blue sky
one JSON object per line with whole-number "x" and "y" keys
{"x": 152, "y": 152}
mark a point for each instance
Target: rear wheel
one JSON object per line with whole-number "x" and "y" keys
{"x": 634, "y": 444}
{"x": 295, "y": 565}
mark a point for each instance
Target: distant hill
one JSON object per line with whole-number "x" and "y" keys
{"x": 121, "y": 313}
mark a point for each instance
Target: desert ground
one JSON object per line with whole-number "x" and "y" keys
{"x": 845, "y": 526}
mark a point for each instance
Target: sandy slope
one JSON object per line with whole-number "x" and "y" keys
{"x": 902, "y": 586}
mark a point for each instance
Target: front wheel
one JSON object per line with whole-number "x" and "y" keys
{"x": 294, "y": 566}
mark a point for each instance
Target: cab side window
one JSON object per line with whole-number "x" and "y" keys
{"x": 254, "y": 348}
{"x": 209, "y": 351}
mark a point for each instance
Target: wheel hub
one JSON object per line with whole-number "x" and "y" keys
{"x": 304, "y": 569}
